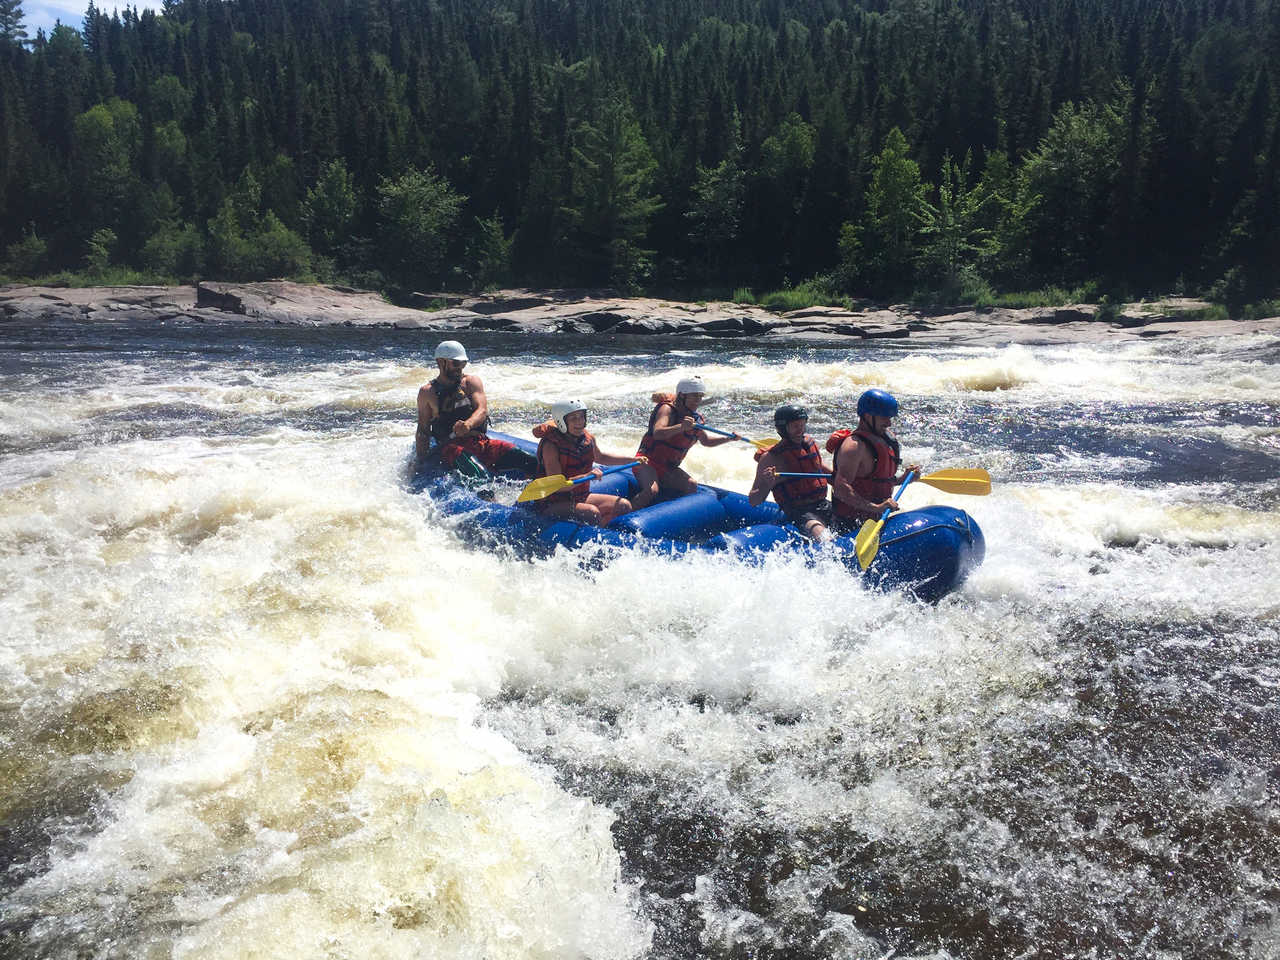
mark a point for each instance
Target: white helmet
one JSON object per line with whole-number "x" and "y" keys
{"x": 562, "y": 409}
{"x": 691, "y": 385}
{"x": 451, "y": 350}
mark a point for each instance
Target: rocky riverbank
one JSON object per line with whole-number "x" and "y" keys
{"x": 576, "y": 311}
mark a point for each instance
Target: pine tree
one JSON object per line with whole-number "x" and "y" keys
{"x": 611, "y": 199}
{"x": 887, "y": 235}
{"x": 12, "y": 26}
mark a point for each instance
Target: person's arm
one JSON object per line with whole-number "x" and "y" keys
{"x": 766, "y": 477}
{"x": 856, "y": 463}
{"x": 613, "y": 460}
{"x": 474, "y": 388}
{"x": 664, "y": 427}
{"x": 707, "y": 440}
{"x": 426, "y": 414}
{"x": 551, "y": 458}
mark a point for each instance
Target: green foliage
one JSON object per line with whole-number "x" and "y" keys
{"x": 330, "y": 207}
{"x": 886, "y": 240}
{"x": 1046, "y": 297}
{"x": 1064, "y": 188}
{"x": 490, "y": 254}
{"x": 170, "y": 100}
{"x": 951, "y": 232}
{"x": 108, "y": 138}
{"x": 12, "y": 27}
{"x": 418, "y": 213}
{"x": 174, "y": 250}
{"x": 808, "y": 294}
{"x": 279, "y": 251}
{"x": 101, "y": 248}
{"x": 611, "y": 203}
{"x": 704, "y": 144}
{"x": 715, "y": 209}
{"x": 26, "y": 257}
{"x": 244, "y": 245}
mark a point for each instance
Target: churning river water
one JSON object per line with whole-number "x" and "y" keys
{"x": 257, "y": 698}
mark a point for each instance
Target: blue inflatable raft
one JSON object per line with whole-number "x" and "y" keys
{"x": 928, "y": 552}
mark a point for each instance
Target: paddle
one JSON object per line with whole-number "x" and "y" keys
{"x": 973, "y": 483}
{"x": 867, "y": 544}
{"x": 544, "y": 487}
{"x": 758, "y": 444}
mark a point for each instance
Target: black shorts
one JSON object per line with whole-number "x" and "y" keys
{"x": 803, "y": 516}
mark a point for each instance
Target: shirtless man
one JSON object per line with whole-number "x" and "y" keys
{"x": 866, "y": 462}
{"x": 453, "y": 411}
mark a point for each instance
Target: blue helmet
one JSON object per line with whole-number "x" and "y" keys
{"x": 877, "y": 403}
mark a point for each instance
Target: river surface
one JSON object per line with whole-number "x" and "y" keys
{"x": 257, "y": 699}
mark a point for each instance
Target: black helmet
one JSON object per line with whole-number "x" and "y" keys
{"x": 786, "y": 414}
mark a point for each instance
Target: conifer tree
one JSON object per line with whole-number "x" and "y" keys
{"x": 611, "y": 199}
{"x": 12, "y": 22}
{"x": 887, "y": 235}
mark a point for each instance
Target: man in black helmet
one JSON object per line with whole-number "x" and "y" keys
{"x": 802, "y": 499}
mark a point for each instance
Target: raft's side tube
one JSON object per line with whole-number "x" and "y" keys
{"x": 759, "y": 537}
{"x": 691, "y": 516}
{"x": 741, "y": 513}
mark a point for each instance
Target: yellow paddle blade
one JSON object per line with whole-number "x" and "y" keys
{"x": 867, "y": 544}
{"x": 544, "y": 487}
{"x": 975, "y": 483}
{"x": 761, "y": 444}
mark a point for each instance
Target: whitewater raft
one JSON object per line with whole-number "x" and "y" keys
{"x": 928, "y": 552}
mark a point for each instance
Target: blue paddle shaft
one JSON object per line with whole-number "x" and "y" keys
{"x": 905, "y": 480}
{"x": 604, "y": 473}
{"x": 723, "y": 433}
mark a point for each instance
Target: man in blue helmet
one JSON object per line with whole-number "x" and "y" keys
{"x": 867, "y": 462}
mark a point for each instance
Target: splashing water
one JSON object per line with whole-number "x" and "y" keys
{"x": 258, "y": 699}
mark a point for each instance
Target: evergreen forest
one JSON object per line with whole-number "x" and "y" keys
{"x": 881, "y": 148}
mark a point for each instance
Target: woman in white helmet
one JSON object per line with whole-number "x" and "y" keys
{"x": 453, "y": 410}
{"x": 565, "y": 448}
{"x": 673, "y": 429}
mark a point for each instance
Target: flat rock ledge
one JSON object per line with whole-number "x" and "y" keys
{"x": 601, "y": 312}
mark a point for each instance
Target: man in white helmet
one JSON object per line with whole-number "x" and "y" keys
{"x": 453, "y": 410}
{"x": 673, "y": 429}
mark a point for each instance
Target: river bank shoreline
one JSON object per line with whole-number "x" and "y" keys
{"x": 529, "y": 311}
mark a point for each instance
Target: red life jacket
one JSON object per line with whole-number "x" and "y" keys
{"x": 665, "y": 455}
{"x": 805, "y": 457}
{"x": 877, "y": 485}
{"x": 577, "y": 456}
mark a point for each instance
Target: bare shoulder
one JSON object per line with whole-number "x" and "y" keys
{"x": 472, "y": 383}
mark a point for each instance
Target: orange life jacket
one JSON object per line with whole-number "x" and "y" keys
{"x": 877, "y": 485}
{"x": 665, "y": 455}
{"x": 804, "y": 457}
{"x": 577, "y": 456}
